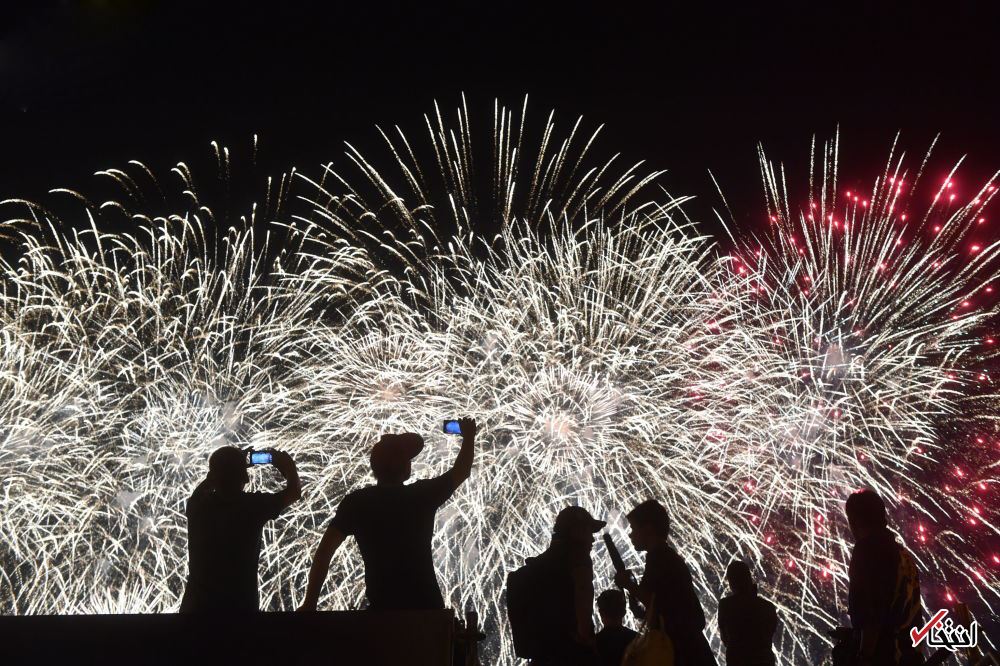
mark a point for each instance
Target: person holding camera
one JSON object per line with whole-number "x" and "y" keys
{"x": 393, "y": 525}
{"x": 225, "y": 527}
{"x": 666, "y": 585}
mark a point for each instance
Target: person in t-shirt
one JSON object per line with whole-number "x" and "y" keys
{"x": 225, "y": 526}
{"x": 746, "y": 621}
{"x": 393, "y": 525}
{"x": 666, "y": 584}
{"x": 615, "y": 636}
{"x": 883, "y": 597}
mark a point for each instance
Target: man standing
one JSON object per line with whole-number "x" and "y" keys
{"x": 225, "y": 526}
{"x": 393, "y": 524}
{"x": 562, "y": 578}
{"x": 747, "y": 622}
{"x": 666, "y": 584}
{"x": 883, "y": 597}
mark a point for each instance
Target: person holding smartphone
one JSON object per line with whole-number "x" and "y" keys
{"x": 666, "y": 585}
{"x": 393, "y": 524}
{"x": 225, "y": 526}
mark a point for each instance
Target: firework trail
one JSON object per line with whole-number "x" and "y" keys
{"x": 125, "y": 357}
{"x": 871, "y": 309}
{"x": 608, "y": 354}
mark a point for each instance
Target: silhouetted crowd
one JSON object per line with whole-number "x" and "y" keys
{"x": 550, "y": 599}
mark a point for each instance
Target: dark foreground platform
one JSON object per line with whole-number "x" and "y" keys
{"x": 326, "y": 638}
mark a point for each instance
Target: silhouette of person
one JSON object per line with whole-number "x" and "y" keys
{"x": 666, "y": 584}
{"x": 746, "y": 622}
{"x": 393, "y": 525}
{"x": 615, "y": 636}
{"x": 225, "y": 526}
{"x": 570, "y": 639}
{"x": 883, "y": 597}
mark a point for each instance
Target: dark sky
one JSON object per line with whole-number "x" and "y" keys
{"x": 88, "y": 85}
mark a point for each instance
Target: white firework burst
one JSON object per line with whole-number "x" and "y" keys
{"x": 567, "y": 305}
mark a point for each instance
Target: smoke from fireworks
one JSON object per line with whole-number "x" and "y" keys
{"x": 609, "y": 355}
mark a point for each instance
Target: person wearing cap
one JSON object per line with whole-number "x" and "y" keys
{"x": 225, "y": 527}
{"x": 667, "y": 585}
{"x": 571, "y": 627}
{"x": 393, "y": 525}
{"x": 747, "y": 622}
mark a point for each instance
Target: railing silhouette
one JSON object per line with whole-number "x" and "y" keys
{"x": 333, "y": 638}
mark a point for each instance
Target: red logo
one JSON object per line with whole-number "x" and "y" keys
{"x": 918, "y": 636}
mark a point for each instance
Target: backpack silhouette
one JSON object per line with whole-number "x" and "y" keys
{"x": 533, "y": 592}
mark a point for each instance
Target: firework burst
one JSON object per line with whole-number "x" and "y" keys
{"x": 608, "y": 353}
{"x": 870, "y": 311}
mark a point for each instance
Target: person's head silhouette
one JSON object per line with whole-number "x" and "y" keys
{"x": 611, "y": 606}
{"x": 649, "y": 525}
{"x": 575, "y": 524}
{"x": 740, "y": 580}
{"x": 865, "y": 513}
{"x": 227, "y": 469}
{"x": 391, "y": 456}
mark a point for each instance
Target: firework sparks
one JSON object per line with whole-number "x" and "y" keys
{"x": 871, "y": 311}
{"x": 610, "y": 356}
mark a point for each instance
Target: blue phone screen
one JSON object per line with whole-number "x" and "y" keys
{"x": 452, "y": 428}
{"x": 260, "y": 458}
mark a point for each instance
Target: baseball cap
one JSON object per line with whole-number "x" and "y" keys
{"x": 396, "y": 449}
{"x": 572, "y": 516}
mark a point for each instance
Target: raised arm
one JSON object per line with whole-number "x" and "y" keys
{"x": 462, "y": 468}
{"x": 328, "y": 545}
{"x": 293, "y": 487}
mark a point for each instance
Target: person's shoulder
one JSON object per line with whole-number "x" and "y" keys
{"x": 267, "y": 502}
{"x": 877, "y": 548}
{"x": 613, "y": 633}
{"x": 665, "y": 556}
{"x": 657, "y": 560}
{"x": 766, "y": 605}
{"x": 434, "y": 491}
{"x": 363, "y": 491}
{"x": 257, "y": 496}
{"x": 362, "y": 496}
{"x": 434, "y": 483}
{"x": 197, "y": 505}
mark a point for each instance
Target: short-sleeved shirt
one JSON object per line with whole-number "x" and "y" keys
{"x": 676, "y": 602}
{"x": 747, "y": 624}
{"x": 884, "y": 587}
{"x": 393, "y": 526}
{"x": 224, "y": 539}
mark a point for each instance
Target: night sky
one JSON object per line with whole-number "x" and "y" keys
{"x": 90, "y": 85}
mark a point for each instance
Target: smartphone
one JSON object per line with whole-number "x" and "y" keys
{"x": 452, "y": 428}
{"x": 260, "y": 458}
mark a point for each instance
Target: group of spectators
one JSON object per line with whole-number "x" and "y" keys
{"x": 393, "y": 524}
